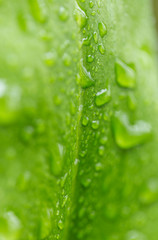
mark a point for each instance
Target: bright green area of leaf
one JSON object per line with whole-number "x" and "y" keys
{"x": 78, "y": 120}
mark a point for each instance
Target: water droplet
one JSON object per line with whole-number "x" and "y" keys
{"x": 102, "y": 29}
{"x": 85, "y": 121}
{"x": 38, "y": 10}
{"x": 131, "y": 101}
{"x": 66, "y": 59}
{"x": 45, "y": 223}
{"x": 102, "y": 97}
{"x": 9, "y": 103}
{"x": 64, "y": 201}
{"x": 95, "y": 124}
{"x": 10, "y": 226}
{"x": 86, "y": 182}
{"x": 98, "y": 167}
{"x": 22, "y": 21}
{"x": 90, "y": 58}
{"x": 63, "y": 180}
{"x": 86, "y": 41}
{"x": 101, "y": 150}
{"x": 101, "y": 49}
{"x": 80, "y": 17}
{"x": 91, "y": 4}
{"x": 49, "y": 59}
{"x": 125, "y": 75}
{"x": 93, "y": 13}
{"x": 127, "y": 135}
{"x": 86, "y": 79}
{"x": 103, "y": 140}
{"x": 95, "y": 37}
{"x": 63, "y": 14}
{"x": 135, "y": 235}
{"x": 60, "y": 224}
{"x": 150, "y": 194}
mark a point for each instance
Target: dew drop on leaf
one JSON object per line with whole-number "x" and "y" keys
{"x": 63, "y": 14}
{"x": 49, "y": 59}
{"x": 102, "y": 97}
{"x": 101, "y": 49}
{"x": 38, "y": 10}
{"x": 86, "y": 79}
{"x": 80, "y": 17}
{"x": 125, "y": 75}
{"x": 129, "y": 135}
{"x": 95, "y": 124}
{"x": 60, "y": 224}
{"x": 98, "y": 167}
{"x": 95, "y": 37}
{"x": 90, "y": 58}
{"x": 85, "y": 121}
{"x": 102, "y": 29}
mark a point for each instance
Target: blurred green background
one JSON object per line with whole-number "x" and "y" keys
{"x": 155, "y": 3}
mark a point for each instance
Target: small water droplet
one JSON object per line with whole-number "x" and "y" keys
{"x": 63, "y": 180}
{"x": 65, "y": 198}
{"x": 60, "y": 224}
{"x": 95, "y": 124}
{"x": 131, "y": 100}
{"x": 102, "y": 97}
{"x": 98, "y": 167}
{"x": 86, "y": 79}
{"x": 49, "y": 59}
{"x": 103, "y": 140}
{"x": 91, "y": 4}
{"x": 95, "y": 37}
{"x": 86, "y": 182}
{"x": 125, "y": 75}
{"x": 86, "y": 41}
{"x": 63, "y": 14}
{"x": 93, "y": 13}
{"x": 150, "y": 194}
{"x": 85, "y": 121}
{"x": 127, "y": 135}
{"x": 101, "y": 150}
{"x": 101, "y": 49}
{"x": 102, "y": 29}
{"x": 66, "y": 59}
{"x": 90, "y": 58}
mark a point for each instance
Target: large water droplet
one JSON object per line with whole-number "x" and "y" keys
{"x": 80, "y": 17}
{"x": 38, "y": 10}
{"x": 86, "y": 79}
{"x": 125, "y": 75}
{"x": 63, "y": 14}
{"x": 102, "y": 97}
{"x": 101, "y": 48}
{"x": 102, "y": 29}
{"x": 9, "y": 103}
{"x": 10, "y": 226}
{"x": 127, "y": 135}
{"x": 45, "y": 223}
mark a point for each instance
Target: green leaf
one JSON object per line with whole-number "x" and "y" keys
{"x": 78, "y": 120}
